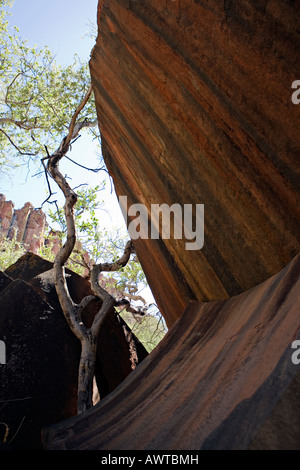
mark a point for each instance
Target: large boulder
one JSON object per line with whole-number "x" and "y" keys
{"x": 39, "y": 381}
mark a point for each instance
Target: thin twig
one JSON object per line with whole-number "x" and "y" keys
{"x": 19, "y": 427}
{"x": 95, "y": 170}
{"x": 8, "y": 400}
{"x": 16, "y": 147}
{"x": 46, "y": 175}
{"x": 77, "y": 112}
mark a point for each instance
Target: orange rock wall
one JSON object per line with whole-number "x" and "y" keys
{"x": 194, "y": 106}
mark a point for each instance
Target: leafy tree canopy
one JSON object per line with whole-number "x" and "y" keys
{"x": 37, "y": 96}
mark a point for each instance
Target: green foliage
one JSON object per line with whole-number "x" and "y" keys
{"x": 101, "y": 245}
{"x": 10, "y": 251}
{"x": 149, "y": 329}
{"x": 47, "y": 252}
{"x": 108, "y": 245}
{"x": 84, "y": 212}
{"x": 37, "y": 97}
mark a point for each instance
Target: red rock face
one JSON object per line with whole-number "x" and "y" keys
{"x": 27, "y": 223}
{"x": 20, "y": 221}
{"x": 6, "y": 215}
{"x": 194, "y": 106}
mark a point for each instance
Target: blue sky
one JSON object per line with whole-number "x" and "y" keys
{"x": 63, "y": 26}
{"x": 60, "y": 24}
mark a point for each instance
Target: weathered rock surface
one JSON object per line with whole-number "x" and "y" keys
{"x": 38, "y": 384}
{"x": 19, "y": 222}
{"x": 27, "y": 267}
{"x": 6, "y": 215}
{"x": 36, "y": 224}
{"x": 194, "y": 106}
{"x": 27, "y": 223}
{"x": 222, "y": 378}
{"x": 29, "y": 226}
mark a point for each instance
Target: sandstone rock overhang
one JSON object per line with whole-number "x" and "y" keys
{"x": 194, "y": 106}
{"x": 222, "y": 378}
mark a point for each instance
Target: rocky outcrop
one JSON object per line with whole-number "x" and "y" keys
{"x": 38, "y": 383}
{"x": 26, "y": 224}
{"x": 194, "y": 106}
{"x": 222, "y": 378}
{"x": 19, "y": 223}
{"x": 6, "y": 215}
{"x": 36, "y": 224}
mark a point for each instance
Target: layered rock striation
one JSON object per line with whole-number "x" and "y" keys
{"x": 194, "y": 106}
{"x": 38, "y": 385}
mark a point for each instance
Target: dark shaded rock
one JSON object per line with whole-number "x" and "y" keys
{"x": 28, "y": 266}
{"x": 118, "y": 351}
{"x": 39, "y": 382}
{"x": 4, "y": 280}
{"x": 280, "y": 430}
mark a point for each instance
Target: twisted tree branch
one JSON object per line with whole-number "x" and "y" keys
{"x": 72, "y": 311}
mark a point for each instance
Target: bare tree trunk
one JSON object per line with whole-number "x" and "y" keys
{"x": 86, "y": 373}
{"x": 88, "y": 336}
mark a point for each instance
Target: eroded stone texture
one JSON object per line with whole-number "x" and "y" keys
{"x": 194, "y": 106}
{"x": 20, "y": 220}
{"x": 26, "y": 224}
{"x": 34, "y": 236}
{"x": 222, "y": 378}
{"x": 6, "y": 215}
